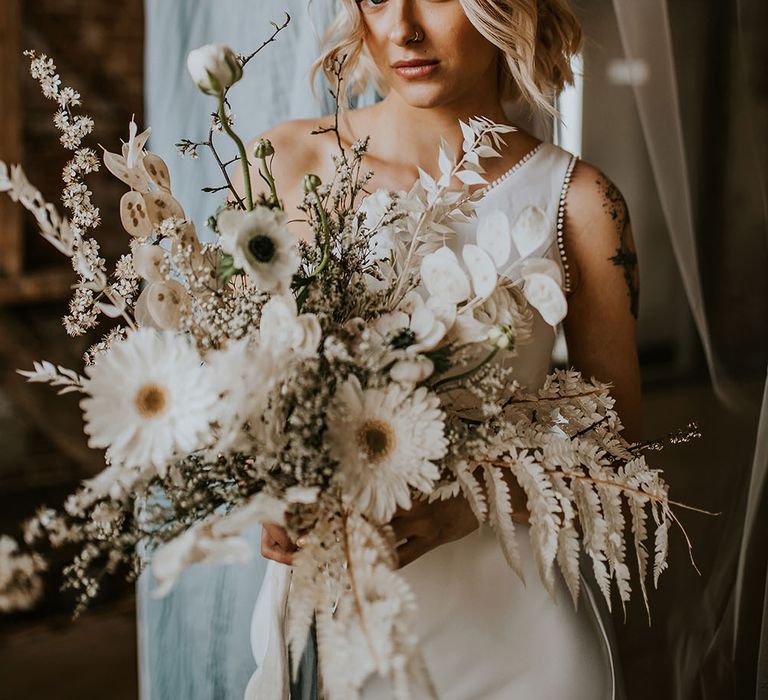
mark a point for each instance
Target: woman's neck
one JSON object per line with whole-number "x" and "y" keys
{"x": 417, "y": 135}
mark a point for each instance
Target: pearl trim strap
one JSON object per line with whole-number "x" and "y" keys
{"x": 561, "y": 223}
{"x": 520, "y": 163}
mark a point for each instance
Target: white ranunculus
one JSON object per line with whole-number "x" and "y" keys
{"x": 443, "y": 276}
{"x": 214, "y": 67}
{"x": 261, "y": 245}
{"x": 282, "y": 329}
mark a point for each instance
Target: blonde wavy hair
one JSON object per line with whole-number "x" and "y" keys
{"x": 536, "y": 38}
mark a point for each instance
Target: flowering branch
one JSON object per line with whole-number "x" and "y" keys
{"x": 241, "y": 148}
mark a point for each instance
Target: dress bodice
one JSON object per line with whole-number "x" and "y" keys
{"x": 539, "y": 180}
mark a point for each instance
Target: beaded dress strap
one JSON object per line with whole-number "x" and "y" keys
{"x": 561, "y": 223}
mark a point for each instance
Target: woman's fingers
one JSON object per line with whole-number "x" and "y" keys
{"x": 409, "y": 525}
{"x": 276, "y": 545}
{"x": 411, "y": 550}
{"x": 279, "y": 535}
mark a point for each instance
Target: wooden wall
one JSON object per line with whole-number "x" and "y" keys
{"x": 98, "y": 49}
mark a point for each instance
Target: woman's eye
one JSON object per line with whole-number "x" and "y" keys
{"x": 371, "y": 3}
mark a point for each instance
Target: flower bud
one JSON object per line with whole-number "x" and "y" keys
{"x": 214, "y": 67}
{"x": 311, "y": 182}
{"x": 263, "y": 148}
{"x": 499, "y": 336}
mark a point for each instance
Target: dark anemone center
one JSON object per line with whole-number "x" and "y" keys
{"x": 262, "y": 248}
{"x": 402, "y": 338}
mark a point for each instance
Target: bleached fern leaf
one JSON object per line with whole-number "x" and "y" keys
{"x": 595, "y": 532}
{"x": 301, "y": 608}
{"x": 568, "y": 559}
{"x": 610, "y": 497}
{"x": 500, "y": 517}
{"x": 568, "y": 543}
{"x": 661, "y": 542}
{"x": 445, "y": 491}
{"x": 544, "y": 510}
{"x": 472, "y": 490}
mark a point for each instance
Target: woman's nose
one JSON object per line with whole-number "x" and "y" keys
{"x": 403, "y": 22}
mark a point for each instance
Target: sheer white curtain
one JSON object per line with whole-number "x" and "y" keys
{"x": 646, "y": 36}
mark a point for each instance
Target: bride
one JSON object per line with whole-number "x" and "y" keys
{"x": 485, "y": 634}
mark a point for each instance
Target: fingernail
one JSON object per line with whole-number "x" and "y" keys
{"x": 301, "y": 541}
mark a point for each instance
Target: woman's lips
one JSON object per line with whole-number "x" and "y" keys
{"x": 415, "y": 71}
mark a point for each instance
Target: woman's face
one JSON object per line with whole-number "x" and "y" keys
{"x": 456, "y": 59}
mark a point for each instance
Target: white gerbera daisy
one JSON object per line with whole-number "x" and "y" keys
{"x": 149, "y": 398}
{"x": 386, "y": 441}
{"x": 261, "y": 245}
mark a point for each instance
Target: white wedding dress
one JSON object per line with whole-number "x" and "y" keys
{"x": 484, "y": 634}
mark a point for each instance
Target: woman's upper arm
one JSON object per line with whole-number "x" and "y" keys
{"x": 600, "y": 327}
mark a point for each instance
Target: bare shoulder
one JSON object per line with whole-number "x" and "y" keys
{"x": 296, "y": 150}
{"x": 593, "y": 197}
{"x": 598, "y": 232}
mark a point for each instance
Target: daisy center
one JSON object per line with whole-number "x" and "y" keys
{"x": 151, "y": 400}
{"x": 377, "y": 439}
{"x": 262, "y": 248}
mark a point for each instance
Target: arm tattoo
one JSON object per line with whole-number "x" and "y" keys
{"x": 625, "y": 257}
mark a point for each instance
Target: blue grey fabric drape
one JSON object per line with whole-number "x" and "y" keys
{"x": 194, "y": 644}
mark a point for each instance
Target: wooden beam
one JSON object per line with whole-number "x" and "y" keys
{"x": 11, "y": 244}
{"x": 54, "y": 416}
{"x": 46, "y": 285}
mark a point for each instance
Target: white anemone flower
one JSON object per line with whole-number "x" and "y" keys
{"x": 261, "y": 245}
{"x": 416, "y": 332}
{"x": 149, "y": 399}
{"x": 283, "y": 329}
{"x": 386, "y": 441}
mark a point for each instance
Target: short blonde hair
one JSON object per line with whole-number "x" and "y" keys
{"x": 537, "y": 39}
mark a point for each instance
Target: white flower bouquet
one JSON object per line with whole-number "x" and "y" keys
{"x": 264, "y": 379}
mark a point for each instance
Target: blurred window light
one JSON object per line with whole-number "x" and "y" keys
{"x": 570, "y": 104}
{"x": 628, "y": 71}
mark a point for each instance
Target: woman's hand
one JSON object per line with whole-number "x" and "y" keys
{"x": 428, "y": 525}
{"x": 276, "y": 545}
